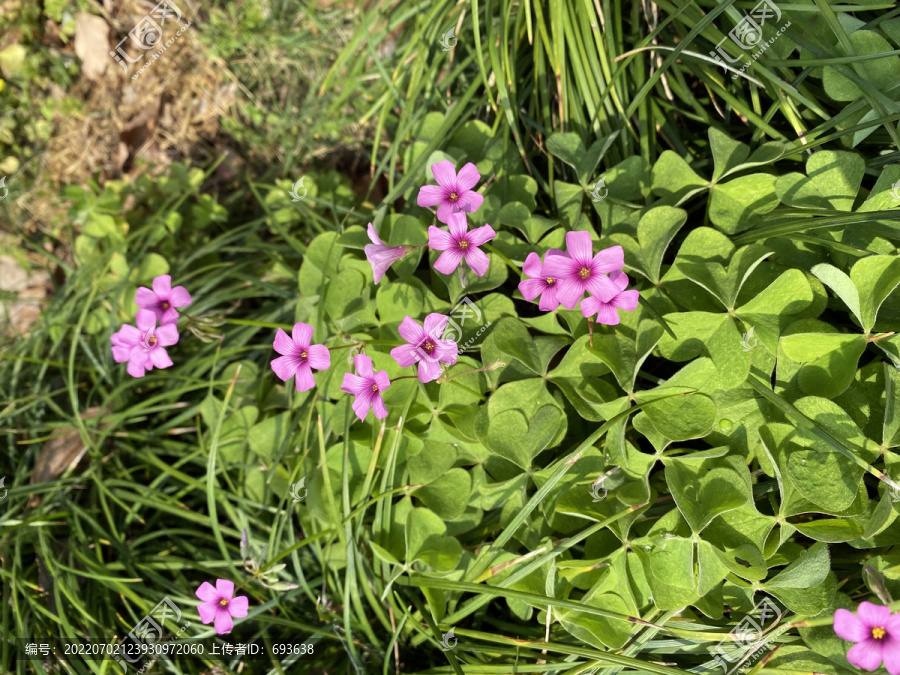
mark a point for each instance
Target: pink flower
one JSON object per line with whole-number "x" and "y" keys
{"x": 300, "y": 357}
{"x": 381, "y": 256}
{"x": 144, "y": 347}
{"x": 458, "y": 244}
{"x": 163, "y": 299}
{"x": 453, "y": 193}
{"x": 425, "y": 347}
{"x": 583, "y": 271}
{"x": 606, "y": 310}
{"x": 876, "y": 633}
{"x": 540, "y": 284}
{"x": 366, "y": 387}
{"x": 218, "y": 604}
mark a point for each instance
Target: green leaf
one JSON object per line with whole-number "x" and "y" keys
{"x": 891, "y": 429}
{"x": 705, "y": 490}
{"x": 567, "y": 147}
{"x": 425, "y": 540}
{"x": 875, "y": 277}
{"x": 879, "y": 73}
{"x": 832, "y": 181}
{"x": 447, "y": 496}
{"x": 829, "y": 360}
{"x": 672, "y": 178}
{"x": 809, "y": 569}
{"x": 713, "y": 334}
{"x": 727, "y": 153}
{"x": 511, "y": 337}
{"x": 737, "y": 205}
{"x": 569, "y": 203}
{"x": 831, "y": 530}
{"x": 841, "y": 285}
{"x": 397, "y": 299}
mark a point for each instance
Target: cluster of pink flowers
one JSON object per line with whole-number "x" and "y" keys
{"x": 566, "y": 276}
{"x": 425, "y": 348}
{"x": 454, "y": 197}
{"x": 876, "y": 633}
{"x": 144, "y": 346}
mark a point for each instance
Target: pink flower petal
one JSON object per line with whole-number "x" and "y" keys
{"x": 302, "y": 334}
{"x": 319, "y": 357}
{"x": 206, "y": 592}
{"x": 224, "y": 624}
{"x": 448, "y": 261}
{"x": 447, "y": 351}
{"x": 146, "y": 298}
{"x": 627, "y": 300}
{"x": 579, "y": 246}
{"x": 446, "y": 210}
{"x": 207, "y": 610}
{"x": 363, "y": 365}
{"x": 890, "y": 654}
{"x": 146, "y": 320}
{"x": 444, "y": 173}
{"x": 531, "y": 288}
{"x": 238, "y": 606}
{"x": 458, "y": 226}
{"x": 601, "y": 286}
{"x": 865, "y": 655}
{"x": 179, "y": 297}
{"x": 470, "y": 201}
{"x": 467, "y": 177}
{"x": 606, "y": 314}
{"x": 354, "y": 384}
{"x": 170, "y": 316}
{"x": 431, "y": 195}
{"x": 429, "y": 370}
{"x": 873, "y": 615}
{"x": 590, "y": 306}
{"x": 555, "y": 251}
{"x": 137, "y": 364}
{"x": 160, "y": 357}
{"x": 567, "y": 292}
{"x": 225, "y": 588}
{"x": 532, "y": 266}
{"x": 382, "y": 380}
{"x": 610, "y": 259}
{"x": 481, "y": 235}
{"x": 122, "y": 353}
{"x": 373, "y": 235}
{"x": 283, "y": 344}
{"x": 435, "y": 324}
{"x": 379, "y": 407}
{"x": 438, "y": 239}
{"x": 304, "y": 380}
{"x": 477, "y": 260}
{"x": 559, "y": 267}
{"x": 361, "y": 405}
{"x": 162, "y": 285}
{"x": 284, "y": 367}
{"x": 619, "y": 278}
{"x": 167, "y": 335}
{"x": 405, "y": 355}
{"x": 410, "y": 330}
{"x": 549, "y": 301}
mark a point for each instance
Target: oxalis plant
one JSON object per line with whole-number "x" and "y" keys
{"x": 487, "y": 438}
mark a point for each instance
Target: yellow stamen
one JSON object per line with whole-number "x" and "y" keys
{"x": 224, "y": 602}
{"x": 454, "y": 197}
{"x": 304, "y": 354}
{"x": 550, "y": 281}
{"x": 152, "y": 340}
{"x": 878, "y": 632}
{"x": 375, "y": 388}
{"x": 464, "y": 244}
{"x": 165, "y": 305}
{"x": 584, "y": 273}
{"x": 429, "y": 346}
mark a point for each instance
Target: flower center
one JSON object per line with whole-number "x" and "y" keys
{"x": 151, "y": 340}
{"x": 165, "y": 304}
{"x": 223, "y": 602}
{"x": 304, "y": 354}
{"x": 428, "y": 346}
{"x": 454, "y": 197}
{"x": 375, "y": 388}
{"x": 584, "y": 273}
{"x": 464, "y": 244}
{"x": 550, "y": 281}
{"x": 878, "y": 632}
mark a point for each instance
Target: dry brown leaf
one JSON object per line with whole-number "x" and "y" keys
{"x": 30, "y": 289}
{"x": 61, "y": 452}
{"x": 92, "y": 45}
